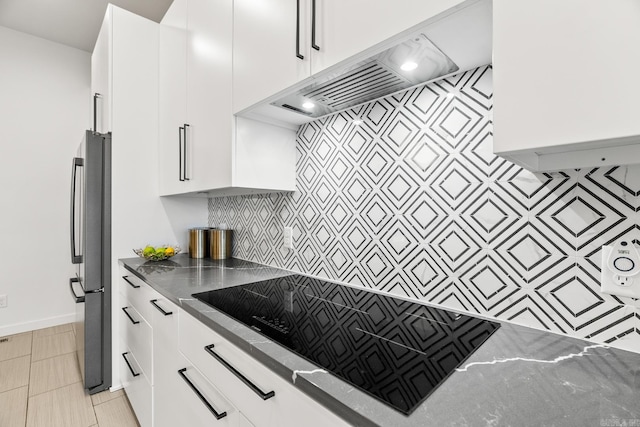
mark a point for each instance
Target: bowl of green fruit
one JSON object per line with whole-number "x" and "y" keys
{"x": 157, "y": 253}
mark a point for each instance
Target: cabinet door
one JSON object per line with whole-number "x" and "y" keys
{"x": 265, "y": 60}
{"x": 209, "y": 115}
{"x": 286, "y": 406}
{"x": 101, "y": 76}
{"x": 345, "y": 28}
{"x": 165, "y": 362}
{"x": 191, "y": 391}
{"x": 172, "y": 96}
{"x": 568, "y": 84}
{"x": 137, "y": 387}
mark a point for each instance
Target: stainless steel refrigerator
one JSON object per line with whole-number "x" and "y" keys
{"x": 91, "y": 253}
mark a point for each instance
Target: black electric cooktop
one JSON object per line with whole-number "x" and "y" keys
{"x": 395, "y": 350}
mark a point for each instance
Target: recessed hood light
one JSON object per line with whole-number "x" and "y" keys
{"x": 409, "y": 66}
{"x": 308, "y": 105}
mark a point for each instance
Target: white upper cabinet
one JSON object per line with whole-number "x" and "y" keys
{"x": 195, "y": 96}
{"x": 280, "y": 43}
{"x": 204, "y": 149}
{"x": 346, "y": 28}
{"x": 565, "y": 82}
{"x": 265, "y": 40}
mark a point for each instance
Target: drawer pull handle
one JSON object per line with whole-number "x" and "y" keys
{"x": 133, "y": 285}
{"x": 135, "y": 322}
{"x": 155, "y": 304}
{"x": 237, "y": 373}
{"x": 204, "y": 399}
{"x": 124, "y": 356}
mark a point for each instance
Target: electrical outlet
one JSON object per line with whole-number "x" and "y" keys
{"x": 3, "y": 301}
{"x": 622, "y": 280}
{"x": 620, "y": 270}
{"x": 288, "y": 237}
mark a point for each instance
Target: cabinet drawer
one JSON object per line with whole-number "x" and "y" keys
{"x": 136, "y": 336}
{"x": 137, "y": 387}
{"x": 196, "y": 399}
{"x": 263, "y": 397}
{"x": 137, "y": 293}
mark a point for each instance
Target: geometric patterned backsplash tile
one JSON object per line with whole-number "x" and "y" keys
{"x": 413, "y": 202}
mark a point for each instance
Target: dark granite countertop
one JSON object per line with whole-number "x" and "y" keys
{"x": 518, "y": 377}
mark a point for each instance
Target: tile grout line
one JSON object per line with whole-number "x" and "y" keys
{"x": 26, "y": 412}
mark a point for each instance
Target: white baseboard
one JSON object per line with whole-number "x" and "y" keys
{"x": 37, "y": 324}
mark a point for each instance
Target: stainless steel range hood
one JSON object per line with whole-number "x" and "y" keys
{"x": 407, "y": 64}
{"x": 456, "y": 41}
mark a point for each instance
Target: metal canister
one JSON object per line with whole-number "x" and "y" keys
{"x": 198, "y": 242}
{"x": 220, "y": 243}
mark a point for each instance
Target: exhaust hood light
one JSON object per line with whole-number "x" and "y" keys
{"x": 409, "y": 66}
{"x": 308, "y": 105}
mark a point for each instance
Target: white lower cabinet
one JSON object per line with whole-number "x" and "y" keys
{"x": 178, "y": 372}
{"x": 265, "y": 399}
{"x": 199, "y": 402}
{"x": 136, "y": 343}
{"x": 137, "y": 387}
{"x": 167, "y": 411}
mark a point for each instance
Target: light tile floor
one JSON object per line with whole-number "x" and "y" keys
{"x": 40, "y": 385}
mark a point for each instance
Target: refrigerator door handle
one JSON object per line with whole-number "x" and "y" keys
{"x": 75, "y": 296}
{"x": 75, "y": 258}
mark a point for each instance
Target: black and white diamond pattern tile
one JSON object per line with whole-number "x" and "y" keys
{"x": 487, "y": 217}
{"x": 479, "y": 88}
{"x": 413, "y": 202}
{"x": 620, "y": 182}
{"x": 489, "y": 283}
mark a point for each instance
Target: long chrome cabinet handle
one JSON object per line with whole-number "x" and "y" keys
{"x": 184, "y": 157}
{"x": 133, "y": 285}
{"x": 124, "y": 356}
{"x": 135, "y": 322}
{"x": 298, "y": 54}
{"x": 154, "y": 302}
{"x": 215, "y": 413}
{"x": 313, "y": 25}
{"x": 238, "y": 374}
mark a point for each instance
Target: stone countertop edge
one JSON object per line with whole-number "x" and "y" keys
{"x": 502, "y": 383}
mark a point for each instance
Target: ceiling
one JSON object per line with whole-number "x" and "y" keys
{"x": 75, "y": 23}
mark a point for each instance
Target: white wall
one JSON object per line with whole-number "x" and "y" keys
{"x": 44, "y": 108}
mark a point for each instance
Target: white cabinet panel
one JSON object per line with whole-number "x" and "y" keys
{"x": 137, "y": 387}
{"x": 136, "y": 292}
{"x": 172, "y": 93}
{"x": 165, "y": 363}
{"x": 209, "y": 65}
{"x": 287, "y": 406}
{"x": 346, "y": 28}
{"x": 264, "y": 156}
{"x": 195, "y": 96}
{"x": 197, "y": 399}
{"x": 196, "y": 90}
{"x": 136, "y": 335}
{"x": 562, "y": 95}
{"x": 264, "y": 37}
